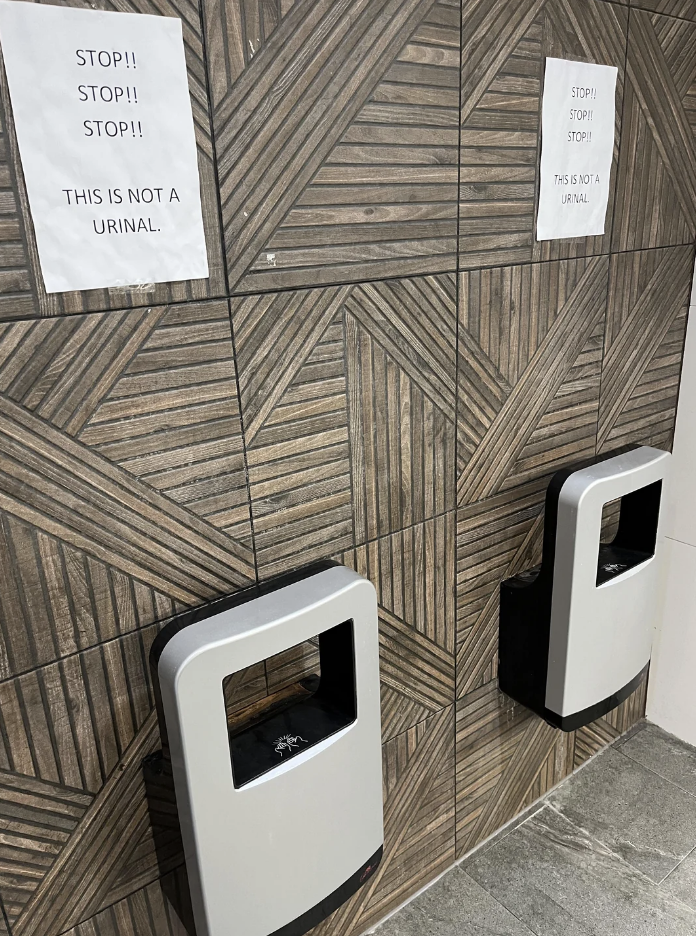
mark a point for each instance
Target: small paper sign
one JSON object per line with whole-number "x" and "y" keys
{"x": 106, "y": 139}
{"x": 577, "y": 145}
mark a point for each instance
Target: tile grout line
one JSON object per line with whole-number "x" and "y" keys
{"x": 689, "y": 310}
{"x": 670, "y": 16}
{"x": 455, "y": 472}
{"x": 688, "y": 855}
{"x": 598, "y": 841}
{"x": 353, "y": 282}
{"x": 656, "y": 774}
{"x": 512, "y": 913}
{"x": 456, "y": 864}
{"x": 507, "y": 829}
{"x": 451, "y": 511}
{"x": 622, "y": 860}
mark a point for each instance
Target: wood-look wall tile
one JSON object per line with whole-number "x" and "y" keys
{"x": 103, "y": 831}
{"x": 291, "y": 363}
{"x": 508, "y": 757}
{"x": 501, "y": 747}
{"x": 22, "y": 292}
{"x": 503, "y": 56}
{"x": 418, "y": 786}
{"x": 413, "y": 573}
{"x": 336, "y": 131}
{"x": 348, "y": 402}
{"x": 592, "y": 738}
{"x": 76, "y": 732}
{"x": 37, "y": 820}
{"x": 685, "y": 9}
{"x": 645, "y": 330}
{"x": 401, "y": 373}
{"x": 530, "y": 352}
{"x": 656, "y": 191}
{"x": 123, "y": 492}
{"x": 146, "y": 912}
{"x": 496, "y": 538}
{"x": 418, "y": 770}
{"x": 74, "y": 817}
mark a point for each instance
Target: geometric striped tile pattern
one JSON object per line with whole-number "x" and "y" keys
{"x": 501, "y": 86}
{"x": 530, "y": 351}
{"x": 646, "y": 322}
{"x": 22, "y": 292}
{"x": 85, "y": 722}
{"x": 365, "y": 402}
{"x": 492, "y": 778}
{"x": 348, "y": 401}
{"x": 79, "y": 728}
{"x": 293, "y": 389}
{"x": 418, "y": 771}
{"x": 182, "y": 436}
{"x": 143, "y": 913}
{"x": 401, "y": 361}
{"x": 74, "y": 736}
{"x": 364, "y": 185}
{"x": 122, "y": 489}
{"x": 496, "y": 538}
{"x": 507, "y": 757}
{"x": 503, "y": 55}
{"x": 336, "y": 128}
{"x": 37, "y": 820}
{"x": 401, "y": 358}
{"x": 686, "y": 9}
{"x": 101, "y": 816}
{"x": 17, "y": 298}
{"x": 413, "y": 573}
{"x": 70, "y": 722}
{"x": 656, "y": 195}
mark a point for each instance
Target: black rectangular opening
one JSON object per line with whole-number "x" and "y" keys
{"x": 301, "y": 715}
{"x": 636, "y": 532}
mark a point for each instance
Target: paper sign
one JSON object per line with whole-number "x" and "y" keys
{"x": 577, "y": 145}
{"x": 106, "y": 139}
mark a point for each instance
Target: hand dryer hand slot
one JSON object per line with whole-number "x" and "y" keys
{"x": 636, "y": 536}
{"x": 323, "y": 706}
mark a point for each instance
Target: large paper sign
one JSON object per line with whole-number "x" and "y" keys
{"x": 105, "y": 131}
{"x": 577, "y": 145}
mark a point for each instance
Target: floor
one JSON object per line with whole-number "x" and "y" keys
{"x": 610, "y": 852}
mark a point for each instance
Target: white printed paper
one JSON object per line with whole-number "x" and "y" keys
{"x": 106, "y": 139}
{"x": 577, "y": 145}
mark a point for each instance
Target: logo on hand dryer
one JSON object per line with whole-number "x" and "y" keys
{"x": 614, "y": 567}
{"x": 287, "y": 743}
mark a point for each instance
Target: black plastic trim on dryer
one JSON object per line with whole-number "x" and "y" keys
{"x": 311, "y": 918}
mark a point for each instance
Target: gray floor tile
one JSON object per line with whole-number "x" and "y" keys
{"x": 681, "y": 883}
{"x": 510, "y": 827}
{"x": 646, "y": 819}
{"x": 454, "y": 906}
{"x": 664, "y": 754}
{"x": 560, "y": 882}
